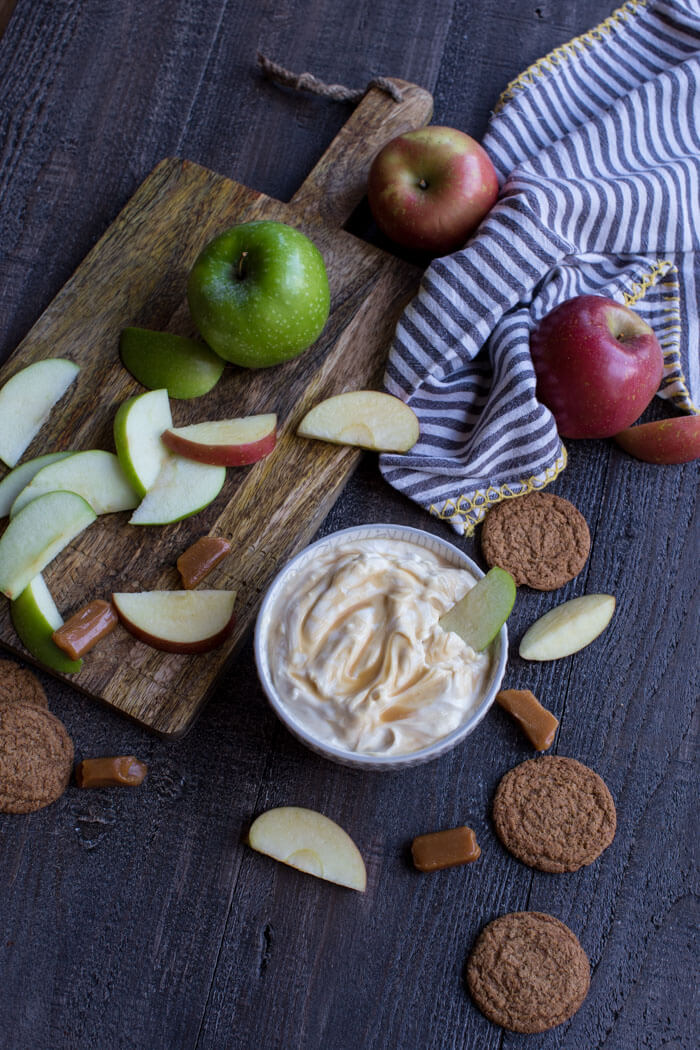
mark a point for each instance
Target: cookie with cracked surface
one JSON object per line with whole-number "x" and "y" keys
{"x": 19, "y": 684}
{"x": 36, "y": 758}
{"x": 554, "y": 813}
{"x": 541, "y": 539}
{"x": 527, "y": 972}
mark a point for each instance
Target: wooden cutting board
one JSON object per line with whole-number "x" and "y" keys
{"x": 137, "y": 275}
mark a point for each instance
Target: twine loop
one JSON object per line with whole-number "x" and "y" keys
{"x": 308, "y": 82}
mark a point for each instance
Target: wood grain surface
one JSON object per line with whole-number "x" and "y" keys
{"x": 137, "y": 275}
{"x": 138, "y": 919}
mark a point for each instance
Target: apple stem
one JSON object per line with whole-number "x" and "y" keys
{"x": 422, "y": 184}
{"x": 241, "y": 266}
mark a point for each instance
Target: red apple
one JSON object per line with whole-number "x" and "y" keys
{"x": 178, "y": 621}
{"x": 598, "y": 365}
{"x": 429, "y": 189}
{"x": 225, "y": 442}
{"x": 664, "y": 441}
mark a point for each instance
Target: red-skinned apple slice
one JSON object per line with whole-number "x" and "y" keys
{"x": 366, "y": 418}
{"x": 225, "y": 442}
{"x": 663, "y": 441}
{"x": 178, "y": 621}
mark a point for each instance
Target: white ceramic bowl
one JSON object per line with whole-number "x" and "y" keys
{"x": 346, "y": 757}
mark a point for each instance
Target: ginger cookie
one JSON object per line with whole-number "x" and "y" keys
{"x": 18, "y": 684}
{"x": 528, "y": 972}
{"x": 554, "y": 813}
{"x": 36, "y": 758}
{"x": 541, "y": 539}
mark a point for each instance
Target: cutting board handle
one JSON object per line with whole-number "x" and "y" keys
{"x": 338, "y": 182}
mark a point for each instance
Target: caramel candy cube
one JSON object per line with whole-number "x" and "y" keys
{"x": 537, "y": 723}
{"x": 199, "y": 559}
{"x": 85, "y": 628}
{"x": 117, "y": 771}
{"x": 445, "y": 849}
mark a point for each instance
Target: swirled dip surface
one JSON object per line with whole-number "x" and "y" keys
{"x": 356, "y": 652}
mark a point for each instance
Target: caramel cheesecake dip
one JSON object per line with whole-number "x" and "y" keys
{"x": 356, "y": 654}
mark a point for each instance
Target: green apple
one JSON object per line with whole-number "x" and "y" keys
{"x": 310, "y": 842}
{"x": 479, "y": 615}
{"x": 13, "y": 483}
{"x": 95, "y": 475}
{"x": 37, "y": 534}
{"x": 183, "y": 366}
{"x": 259, "y": 294}
{"x": 138, "y": 426}
{"x": 35, "y": 617}
{"x": 183, "y": 487}
{"x": 26, "y": 401}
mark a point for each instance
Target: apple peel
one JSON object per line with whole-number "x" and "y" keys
{"x": 366, "y": 418}
{"x": 310, "y": 842}
{"x": 568, "y": 627}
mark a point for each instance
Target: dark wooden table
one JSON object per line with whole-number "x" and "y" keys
{"x": 138, "y": 919}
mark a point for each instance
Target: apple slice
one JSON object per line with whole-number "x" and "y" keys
{"x": 36, "y": 535}
{"x": 183, "y": 366}
{"x": 178, "y": 621}
{"x": 664, "y": 441}
{"x": 366, "y": 418}
{"x": 35, "y": 617}
{"x": 568, "y": 627}
{"x": 95, "y": 475}
{"x": 13, "y": 483}
{"x": 225, "y": 442}
{"x": 138, "y": 426}
{"x": 26, "y": 401}
{"x": 479, "y": 615}
{"x": 182, "y": 488}
{"x": 310, "y": 842}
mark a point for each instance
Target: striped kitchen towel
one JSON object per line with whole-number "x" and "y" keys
{"x": 597, "y": 148}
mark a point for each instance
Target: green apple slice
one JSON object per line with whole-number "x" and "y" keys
{"x": 366, "y": 418}
{"x": 183, "y": 366}
{"x": 138, "y": 426}
{"x": 13, "y": 483}
{"x": 568, "y": 627}
{"x": 26, "y": 401}
{"x": 479, "y": 615}
{"x": 95, "y": 475}
{"x": 310, "y": 842}
{"x": 37, "y": 534}
{"x": 178, "y": 621}
{"x": 183, "y": 487}
{"x": 35, "y": 617}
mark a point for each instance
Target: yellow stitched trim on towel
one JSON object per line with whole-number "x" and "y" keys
{"x": 673, "y": 368}
{"x": 569, "y": 50}
{"x": 470, "y": 509}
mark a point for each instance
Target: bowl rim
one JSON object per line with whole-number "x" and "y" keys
{"x": 344, "y": 756}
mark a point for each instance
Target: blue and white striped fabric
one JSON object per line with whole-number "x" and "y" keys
{"x": 597, "y": 147}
